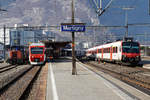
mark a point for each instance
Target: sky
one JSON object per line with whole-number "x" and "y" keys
{"x": 85, "y": 12}
{"x": 115, "y": 15}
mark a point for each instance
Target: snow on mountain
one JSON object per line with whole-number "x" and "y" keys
{"x": 50, "y": 12}
{"x": 53, "y": 13}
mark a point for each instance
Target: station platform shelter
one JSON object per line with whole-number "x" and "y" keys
{"x": 54, "y": 48}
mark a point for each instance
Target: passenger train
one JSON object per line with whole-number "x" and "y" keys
{"x": 37, "y": 53}
{"x": 119, "y": 51}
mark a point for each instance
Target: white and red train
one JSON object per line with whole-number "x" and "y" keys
{"x": 37, "y": 53}
{"x": 119, "y": 51}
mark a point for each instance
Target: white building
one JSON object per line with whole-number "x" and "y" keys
{"x": 7, "y": 36}
{"x": 21, "y": 36}
{"x": 25, "y": 37}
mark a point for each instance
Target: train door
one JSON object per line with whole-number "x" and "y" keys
{"x": 102, "y": 53}
{"x": 111, "y": 51}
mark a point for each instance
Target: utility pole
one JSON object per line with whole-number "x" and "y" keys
{"x": 74, "y": 72}
{"x": 4, "y": 41}
{"x": 126, "y": 23}
{"x": 149, "y": 7}
{"x": 100, "y": 5}
{"x": 126, "y": 18}
{"x": 73, "y": 27}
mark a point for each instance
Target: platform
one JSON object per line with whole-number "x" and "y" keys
{"x": 146, "y": 62}
{"x": 86, "y": 85}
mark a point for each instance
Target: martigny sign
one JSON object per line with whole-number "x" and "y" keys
{"x": 76, "y": 27}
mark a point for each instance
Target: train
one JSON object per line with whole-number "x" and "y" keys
{"x": 17, "y": 55}
{"x": 124, "y": 52}
{"x": 37, "y": 54}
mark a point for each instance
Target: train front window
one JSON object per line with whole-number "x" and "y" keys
{"x": 130, "y": 47}
{"x": 37, "y": 50}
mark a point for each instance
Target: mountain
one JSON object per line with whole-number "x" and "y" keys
{"x": 55, "y": 12}
{"x": 42, "y": 12}
{"x": 50, "y": 13}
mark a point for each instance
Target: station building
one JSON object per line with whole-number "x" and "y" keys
{"x": 7, "y": 36}
{"x": 20, "y": 36}
{"x": 145, "y": 50}
{"x": 1, "y": 49}
{"x": 24, "y": 37}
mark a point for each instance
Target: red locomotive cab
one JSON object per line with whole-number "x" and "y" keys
{"x": 131, "y": 52}
{"x": 37, "y": 53}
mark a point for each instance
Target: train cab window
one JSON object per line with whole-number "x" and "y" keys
{"x": 37, "y": 50}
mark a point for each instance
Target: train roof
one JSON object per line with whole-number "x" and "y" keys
{"x": 37, "y": 44}
{"x": 107, "y": 44}
{"x": 93, "y": 48}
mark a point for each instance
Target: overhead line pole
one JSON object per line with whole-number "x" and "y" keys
{"x": 107, "y": 6}
{"x": 4, "y": 42}
{"x": 74, "y": 72}
{"x": 149, "y": 7}
{"x": 100, "y": 5}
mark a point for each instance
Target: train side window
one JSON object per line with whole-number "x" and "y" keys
{"x": 99, "y": 50}
{"x": 116, "y": 49}
{"x": 108, "y": 50}
{"x": 120, "y": 49}
{"x": 104, "y": 50}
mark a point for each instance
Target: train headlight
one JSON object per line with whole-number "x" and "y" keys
{"x": 40, "y": 56}
{"x": 32, "y": 56}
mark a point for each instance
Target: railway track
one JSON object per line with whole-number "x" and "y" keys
{"x": 6, "y": 68}
{"x": 16, "y": 88}
{"x": 135, "y": 76}
{"x": 2, "y": 67}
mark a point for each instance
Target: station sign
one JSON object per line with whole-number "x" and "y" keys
{"x": 75, "y": 27}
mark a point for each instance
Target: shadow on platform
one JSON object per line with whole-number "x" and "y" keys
{"x": 62, "y": 59}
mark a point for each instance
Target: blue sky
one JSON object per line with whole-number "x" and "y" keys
{"x": 115, "y": 13}
{"x": 116, "y": 16}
